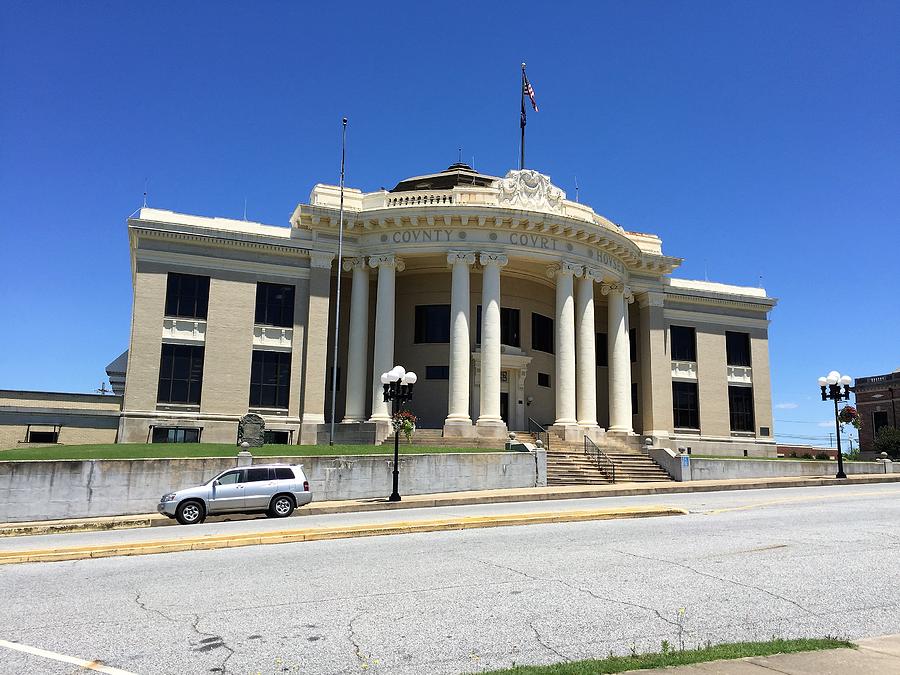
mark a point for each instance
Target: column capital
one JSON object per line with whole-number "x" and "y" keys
{"x": 321, "y": 259}
{"x": 499, "y": 259}
{"x": 353, "y": 263}
{"x": 622, "y": 288}
{"x": 563, "y": 268}
{"x": 387, "y": 260}
{"x": 593, "y": 274}
{"x": 465, "y": 257}
{"x": 651, "y": 299}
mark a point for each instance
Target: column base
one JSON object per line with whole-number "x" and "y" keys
{"x": 620, "y": 431}
{"x": 348, "y": 433}
{"x": 459, "y": 428}
{"x": 593, "y": 431}
{"x": 567, "y": 432}
{"x": 489, "y": 428}
{"x": 309, "y": 433}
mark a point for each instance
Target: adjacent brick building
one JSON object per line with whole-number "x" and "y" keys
{"x": 877, "y": 401}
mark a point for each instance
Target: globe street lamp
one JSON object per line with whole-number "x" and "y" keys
{"x": 831, "y": 389}
{"x": 398, "y": 389}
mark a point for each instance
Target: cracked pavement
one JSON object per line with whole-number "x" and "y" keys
{"x": 743, "y": 565}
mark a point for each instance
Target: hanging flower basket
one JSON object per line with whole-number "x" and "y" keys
{"x": 405, "y": 422}
{"x": 849, "y": 415}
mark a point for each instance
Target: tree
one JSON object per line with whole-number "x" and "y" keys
{"x": 888, "y": 440}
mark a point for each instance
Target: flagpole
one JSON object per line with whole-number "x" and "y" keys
{"x": 522, "y": 122}
{"x": 337, "y": 299}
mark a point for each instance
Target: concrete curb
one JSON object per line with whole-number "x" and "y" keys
{"x": 515, "y": 495}
{"x": 321, "y": 533}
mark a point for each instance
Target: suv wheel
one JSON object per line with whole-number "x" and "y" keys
{"x": 190, "y": 513}
{"x": 281, "y": 507}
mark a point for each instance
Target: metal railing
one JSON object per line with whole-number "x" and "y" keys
{"x": 603, "y": 462}
{"x": 539, "y": 432}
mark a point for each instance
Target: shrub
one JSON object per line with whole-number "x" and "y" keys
{"x": 823, "y": 455}
{"x": 888, "y": 440}
{"x": 806, "y": 455}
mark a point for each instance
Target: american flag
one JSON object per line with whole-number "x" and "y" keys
{"x": 529, "y": 90}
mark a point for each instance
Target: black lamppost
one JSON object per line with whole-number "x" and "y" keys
{"x": 831, "y": 389}
{"x": 398, "y": 388}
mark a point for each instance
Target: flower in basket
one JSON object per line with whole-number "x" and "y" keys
{"x": 404, "y": 421}
{"x": 849, "y": 415}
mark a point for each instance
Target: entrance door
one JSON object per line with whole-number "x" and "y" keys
{"x": 504, "y": 407}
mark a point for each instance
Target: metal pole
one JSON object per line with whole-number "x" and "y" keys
{"x": 337, "y": 300}
{"x": 522, "y": 122}
{"x": 835, "y": 395}
{"x": 395, "y": 495}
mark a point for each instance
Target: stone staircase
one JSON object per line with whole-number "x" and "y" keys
{"x": 568, "y": 464}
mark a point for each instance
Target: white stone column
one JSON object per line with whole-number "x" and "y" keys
{"x": 458, "y": 422}
{"x": 619, "y": 357}
{"x": 383, "y": 359}
{"x": 564, "y": 387}
{"x": 489, "y": 421}
{"x": 358, "y": 341}
{"x": 586, "y": 378}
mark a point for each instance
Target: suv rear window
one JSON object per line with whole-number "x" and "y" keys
{"x": 257, "y": 475}
{"x": 283, "y": 473}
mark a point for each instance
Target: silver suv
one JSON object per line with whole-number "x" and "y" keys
{"x": 273, "y": 489}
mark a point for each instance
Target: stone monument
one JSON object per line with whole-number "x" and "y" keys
{"x": 251, "y": 430}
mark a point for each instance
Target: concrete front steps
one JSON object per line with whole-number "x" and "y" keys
{"x": 568, "y": 464}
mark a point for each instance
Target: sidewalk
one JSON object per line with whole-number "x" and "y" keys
{"x": 537, "y": 494}
{"x": 874, "y": 656}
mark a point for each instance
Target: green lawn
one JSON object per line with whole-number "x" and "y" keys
{"x": 174, "y": 450}
{"x": 621, "y": 664}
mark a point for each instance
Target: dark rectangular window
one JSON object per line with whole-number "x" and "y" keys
{"x": 258, "y": 475}
{"x": 543, "y": 379}
{"x": 437, "y": 372}
{"x": 632, "y": 344}
{"x": 187, "y": 295}
{"x": 634, "y": 398}
{"x": 284, "y": 473}
{"x": 509, "y": 326}
{"x": 270, "y": 379}
{"x": 737, "y": 348}
{"x": 432, "y": 323}
{"x": 180, "y": 374}
{"x": 602, "y": 350}
{"x": 175, "y": 435}
{"x": 879, "y": 420}
{"x": 42, "y": 437}
{"x": 541, "y": 333}
{"x": 331, "y": 377}
{"x": 740, "y": 407}
{"x": 685, "y": 405}
{"x": 275, "y": 305}
{"x": 277, "y": 437}
{"x": 684, "y": 343}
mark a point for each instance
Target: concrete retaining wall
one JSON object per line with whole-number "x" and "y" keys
{"x": 724, "y": 469}
{"x": 49, "y": 490}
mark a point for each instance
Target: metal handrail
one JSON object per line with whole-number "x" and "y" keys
{"x": 604, "y": 463}
{"x": 541, "y": 434}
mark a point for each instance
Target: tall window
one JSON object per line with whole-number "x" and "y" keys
{"x": 187, "y": 295}
{"x": 180, "y": 374}
{"x": 684, "y": 343}
{"x": 740, "y": 406}
{"x": 632, "y": 344}
{"x": 270, "y": 379}
{"x": 275, "y": 305}
{"x": 175, "y": 435}
{"x": 737, "y": 348}
{"x": 879, "y": 420}
{"x": 432, "y": 323}
{"x": 509, "y": 326}
{"x": 685, "y": 405}
{"x": 541, "y": 333}
{"x": 634, "y": 398}
{"x": 602, "y": 350}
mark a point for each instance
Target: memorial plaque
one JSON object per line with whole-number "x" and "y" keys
{"x": 252, "y": 429}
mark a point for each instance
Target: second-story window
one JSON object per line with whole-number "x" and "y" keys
{"x": 684, "y": 343}
{"x": 737, "y": 348}
{"x": 432, "y": 323}
{"x": 275, "y": 305}
{"x": 187, "y": 295}
{"x": 509, "y": 326}
{"x": 541, "y": 333}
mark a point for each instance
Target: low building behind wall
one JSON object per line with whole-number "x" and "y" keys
{"x": 39, "y": 418}
{"x": 877, "y": 400}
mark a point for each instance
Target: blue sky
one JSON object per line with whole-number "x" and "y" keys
{"x": 758, "y": 139}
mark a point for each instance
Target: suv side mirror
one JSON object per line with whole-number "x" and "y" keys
{"x": 216, "y": 482}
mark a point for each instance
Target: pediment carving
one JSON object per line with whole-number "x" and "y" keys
{"x": 531, "y": 191}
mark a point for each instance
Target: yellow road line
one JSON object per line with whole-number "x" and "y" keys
{"x": 323, "y": 533}
{"x": 90, "y": 665}
{"x": 792, "y": 500}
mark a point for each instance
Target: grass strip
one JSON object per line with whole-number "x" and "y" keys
{"x": 731, "y": 650}
{"x": 185, "y": 450}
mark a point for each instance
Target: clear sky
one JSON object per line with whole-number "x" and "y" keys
{"x": 758, "y": 139}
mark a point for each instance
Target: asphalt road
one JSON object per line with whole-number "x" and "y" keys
{"x": 743, "y": 565}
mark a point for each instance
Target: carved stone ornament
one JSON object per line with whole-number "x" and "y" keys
{"x": 627, "y": 295}
{"x": 251, "y": 429}
{"x": 531, "y": 191}
{"x": 389, "y": 260}
{"x": 466, "y": 257}
{"x": 353, "y": 263}
{"x": 498, "y": 259}
{"x": 320, "y": 259}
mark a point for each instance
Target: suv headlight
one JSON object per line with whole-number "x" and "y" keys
{"x": 168, "y": 498}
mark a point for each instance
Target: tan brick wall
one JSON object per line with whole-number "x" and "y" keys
{"x": 713, "y": 382}
{"x": 298, "y": 345}
{"x": 762, "y": 385}
{"x": 656, "y": 371}
{"x": 316, "y": 345}
{"x": 142, "y": 379}
{"x": 43, "y": 399}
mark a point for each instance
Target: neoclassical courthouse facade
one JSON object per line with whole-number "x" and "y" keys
{"x": 514, "y": 305}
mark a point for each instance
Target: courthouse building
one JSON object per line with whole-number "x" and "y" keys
{"x": 515, "y": 306}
